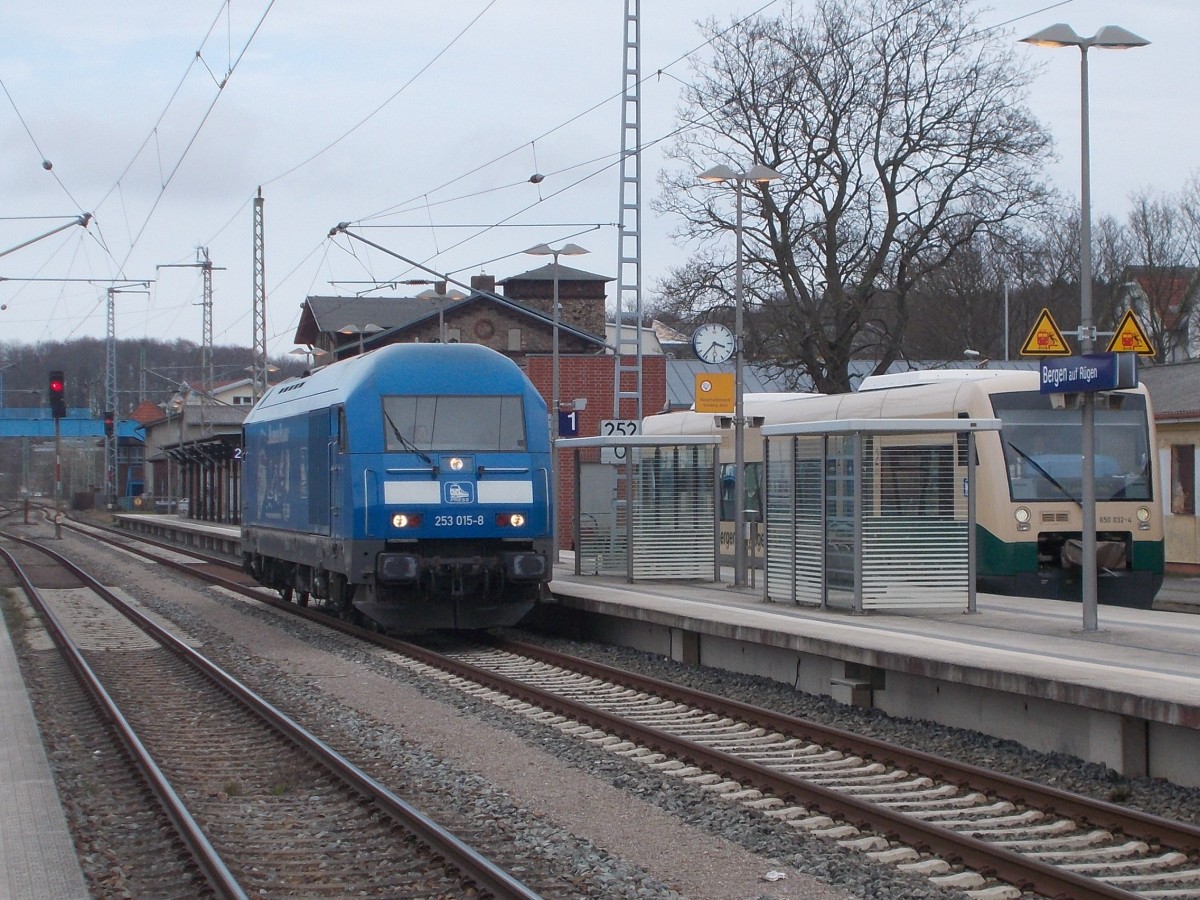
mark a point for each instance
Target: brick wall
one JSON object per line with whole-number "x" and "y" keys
{"x": 591, "y": 378}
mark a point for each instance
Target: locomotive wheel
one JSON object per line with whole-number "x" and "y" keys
{"x": 286, "y": 594}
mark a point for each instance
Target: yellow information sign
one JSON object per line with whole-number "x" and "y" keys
{"x": 1045, "y": 339}
{"x": 1130, "y": 337}
{"x": 715, "y": 392}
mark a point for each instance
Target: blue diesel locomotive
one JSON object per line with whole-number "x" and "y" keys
{"x": 409, "y": 485}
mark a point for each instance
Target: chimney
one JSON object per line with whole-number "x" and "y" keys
{"x": 483, "y": 283}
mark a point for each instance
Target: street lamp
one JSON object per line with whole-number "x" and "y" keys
{"x": 564, "y": 250}
{"x": 1110, "y": 37}
{"x": 361, "y": 331}
{"x": 441, "y": 297}
{"x": 758, "y": 174}
{"x": 310, "y": 354}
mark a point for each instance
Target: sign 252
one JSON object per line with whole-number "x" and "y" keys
{"x": 621, "y": 428}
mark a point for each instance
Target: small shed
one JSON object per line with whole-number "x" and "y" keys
{"x": 659, "y": 515}
{"x": 866, "y": 514}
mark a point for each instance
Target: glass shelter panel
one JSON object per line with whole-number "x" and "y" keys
{"x": 795, "y": 524}
{"x": 664, "y": 516}
{"x": 914, "y": 533}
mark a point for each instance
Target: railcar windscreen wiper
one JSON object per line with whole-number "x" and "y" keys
{"x": 405, "y": 442}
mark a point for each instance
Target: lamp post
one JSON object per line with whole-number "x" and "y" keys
{"x": 564, "y": 250}
{"x": 361, "y": 331}
{"x": 441, "y": 297}
{"x": 1110, "y": 37}
{"x": 310, "y": 354}
{"x": 758, "y": 174}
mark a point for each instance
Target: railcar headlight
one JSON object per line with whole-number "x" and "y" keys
{"x": 1022, "y": 515}
{"x": 513, "y": 520}
{"x": 456, "y": 463}
{"x": 1143, "y": 517}
{"x": 406, "y": 520}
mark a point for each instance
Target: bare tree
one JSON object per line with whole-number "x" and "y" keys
{"x": 1159, "y": 280}
{"x": 902, "y": 134}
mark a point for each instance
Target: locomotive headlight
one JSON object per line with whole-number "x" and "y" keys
{"x": 513, "y": 520}
{"x": 406, "y": 520}
{"x": 1021, "y": 514}
{"x": 1143, "y": 517}
{"x": 456, "y": 463}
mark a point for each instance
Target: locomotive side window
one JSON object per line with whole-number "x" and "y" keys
{"x": 454, "y": 423}
{"x": 1042, "y": 448}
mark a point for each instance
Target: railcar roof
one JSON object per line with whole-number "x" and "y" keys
{"x": 396, "y": 369}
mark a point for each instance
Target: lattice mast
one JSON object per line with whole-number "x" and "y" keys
{"x": 629, "y": 237}
{"x": 206, "y": 342}
{"x": 260, "y": 303}
{"x": 110, "y": 399}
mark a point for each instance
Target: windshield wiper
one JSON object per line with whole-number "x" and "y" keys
{"x": 1050, "y": 478}
{"x": 405, "y": 442}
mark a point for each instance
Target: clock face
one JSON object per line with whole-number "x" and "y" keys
{"x": 713, "y": 343}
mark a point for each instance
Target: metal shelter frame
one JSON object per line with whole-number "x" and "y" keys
{"x": 664, "y": 514}
{"x": 870, "y": 513}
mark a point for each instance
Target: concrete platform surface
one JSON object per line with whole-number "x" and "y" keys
{"x": 37, "y": 852}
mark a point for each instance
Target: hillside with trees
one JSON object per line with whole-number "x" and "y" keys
{"x": 146, "y": 370}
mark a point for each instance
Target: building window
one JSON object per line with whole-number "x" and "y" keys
{"x": 514, "y": 339}
{"x": 1183, "y": 479}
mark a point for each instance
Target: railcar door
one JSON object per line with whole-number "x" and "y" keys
{"x": 335, "y": 454}
{"x": 317, "y": 469}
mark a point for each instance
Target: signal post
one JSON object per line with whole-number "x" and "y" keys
{"x": 58, "y": 409}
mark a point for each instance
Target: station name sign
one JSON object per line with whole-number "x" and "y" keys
{"x": 1090, "y": 372}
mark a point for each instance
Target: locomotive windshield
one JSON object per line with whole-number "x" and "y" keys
{"x": 1042, "y": 447}
{"x": 454, "y": 424}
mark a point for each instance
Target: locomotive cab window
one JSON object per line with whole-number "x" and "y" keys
{"x": 454, "y": 424}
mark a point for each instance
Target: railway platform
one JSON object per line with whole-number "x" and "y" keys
{"x": 1126, "y": 695}
{"x": 37, "y": 855}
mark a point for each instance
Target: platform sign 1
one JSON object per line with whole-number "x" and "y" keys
{"x": 1088, "y": 373}
{"x": 568, "y": 423}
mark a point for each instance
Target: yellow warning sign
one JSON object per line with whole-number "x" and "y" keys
{"x": 1045, "y": 339}
{"x": 715, "y": 392}
{"x": 1130, "y": 337}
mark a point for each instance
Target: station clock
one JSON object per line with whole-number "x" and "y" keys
{"x": 713, "y": 343}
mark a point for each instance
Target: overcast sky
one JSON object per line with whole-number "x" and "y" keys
{"x": 427, "y": 118}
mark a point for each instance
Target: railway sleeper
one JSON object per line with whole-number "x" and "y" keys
{"x": 1103, "y": 870}
{"x": 962, "y": 814}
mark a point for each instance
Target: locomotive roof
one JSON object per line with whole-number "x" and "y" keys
{"x": 396, "y": 369}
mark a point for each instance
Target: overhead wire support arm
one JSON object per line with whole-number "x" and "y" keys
{"x": 82, "y": 221}
{"x": 344, "y": 228}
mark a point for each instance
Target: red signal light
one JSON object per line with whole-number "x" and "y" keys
{"x": 58, "y": 400}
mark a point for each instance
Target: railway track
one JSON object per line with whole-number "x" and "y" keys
{"x": 262, "y": 807}
{"x": 961, "y": 826}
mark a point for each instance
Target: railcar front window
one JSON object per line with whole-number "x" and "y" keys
{"x": 454, "y": 424}
{"x": 1043, "y": 448}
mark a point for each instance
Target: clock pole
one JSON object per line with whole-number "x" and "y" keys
{"x": 739, "y": 411}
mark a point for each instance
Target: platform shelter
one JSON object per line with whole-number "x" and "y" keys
{"x": 646, "y": 507}
{"x": 867, "y": 514}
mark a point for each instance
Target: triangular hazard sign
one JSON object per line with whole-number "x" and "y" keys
{"x": 1130, "y": 337}
{"x": 1045, "y": 339}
